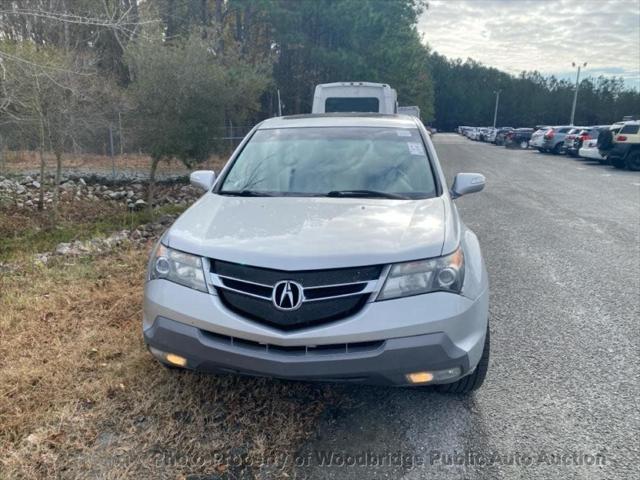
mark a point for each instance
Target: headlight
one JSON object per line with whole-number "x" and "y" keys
{"x": 424, "y": 276}
{"x": 178, "y": 267}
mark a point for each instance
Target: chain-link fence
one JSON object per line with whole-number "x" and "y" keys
{"x": 111, "y": 157}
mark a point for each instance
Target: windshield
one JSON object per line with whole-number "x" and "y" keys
{"x": 313, "y": 161}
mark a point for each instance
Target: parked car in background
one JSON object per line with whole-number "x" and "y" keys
{"x": 500, "y": 135}
{"x": 552, "y": 140}
{"x": 605, "y": 139}
{"x": 537, "y": 138}
{"x": 567, "y": 145}
{"x": 589, "y": 150}
{"x": 585, "y": 134}
{"x": 626, "y": 147}
{"x": 617, "y": 144}
{"x": 518, "y": 138}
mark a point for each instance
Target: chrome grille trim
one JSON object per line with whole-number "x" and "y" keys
{"x": 239, "y": 280}
{"x": 217, "y": 281}
{"x": 368, "y": 287}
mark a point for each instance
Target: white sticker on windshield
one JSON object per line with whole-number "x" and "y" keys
{"x": 403, "y": 133}
{"x": 415, "y": 148}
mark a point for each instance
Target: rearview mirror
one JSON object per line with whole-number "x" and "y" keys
{"x": 465, "y": 183}
{"x": 203, "y": 179}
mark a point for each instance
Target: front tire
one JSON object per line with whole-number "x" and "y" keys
{"x": 474, "y": 380}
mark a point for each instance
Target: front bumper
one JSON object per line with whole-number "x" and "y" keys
{"x": 429, "y": 332}
{"x": 536, "y": 142}
{"x": 386, "y": 364}
{"x": 514, "y": 141}
{"x": 590, "y": 153}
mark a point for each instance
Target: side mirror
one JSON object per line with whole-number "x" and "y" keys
{"x": 465, "y": 183}
{"x": 203, "y": 179}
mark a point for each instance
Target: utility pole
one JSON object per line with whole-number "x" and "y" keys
{"x": 575, "y": 92}
{"x": 495, "y": 112}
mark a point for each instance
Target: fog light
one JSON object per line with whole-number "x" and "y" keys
{"x": 171, "y": 358}
{"x": 177, "y": 360}
{"x": 420, "y": 377}
{"x": 435, "y": 376}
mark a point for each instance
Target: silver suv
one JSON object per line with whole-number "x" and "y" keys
{"x": 329, "y": 248}
{"x": 550, "y": 139}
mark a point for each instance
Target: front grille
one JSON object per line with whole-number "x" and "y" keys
{"x": 295, "y": 350}
{"x": 329, "y": 295}
{"x": 308, "y": 278}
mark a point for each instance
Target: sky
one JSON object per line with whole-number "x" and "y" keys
{"x": 543, "y": 35}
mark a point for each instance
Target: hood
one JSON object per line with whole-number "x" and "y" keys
{"x": 294, "y": 233}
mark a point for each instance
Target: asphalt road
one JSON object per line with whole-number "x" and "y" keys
{"x": 561, "y": 238}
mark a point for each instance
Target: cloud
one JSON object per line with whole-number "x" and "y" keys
{"x": 542, "y": 35}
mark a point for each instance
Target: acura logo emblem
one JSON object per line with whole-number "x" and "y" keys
{"x": 287, "y": 295}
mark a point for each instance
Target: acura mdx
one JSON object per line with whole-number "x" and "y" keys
{"x": 329, "y": 248}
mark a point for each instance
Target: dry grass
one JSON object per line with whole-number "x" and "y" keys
{"x": 80, "y": 397}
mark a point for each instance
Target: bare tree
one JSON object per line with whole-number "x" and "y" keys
{"x": 57, "y": 98}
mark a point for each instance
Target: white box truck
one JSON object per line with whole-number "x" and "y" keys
{"x": 355, "y": 97}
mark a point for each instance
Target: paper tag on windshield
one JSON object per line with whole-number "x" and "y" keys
{"x": 415, "y": 148}
{"x": 403, "y": 133}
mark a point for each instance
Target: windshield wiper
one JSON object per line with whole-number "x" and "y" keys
{"x": 245, "y": 193}
{"x": 364, "y": 194}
